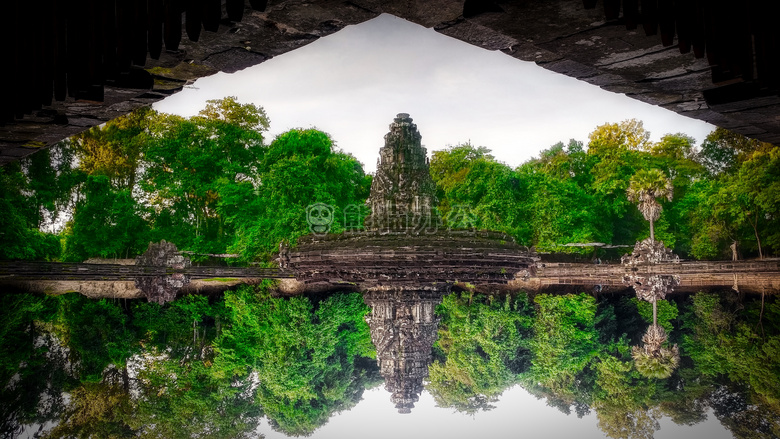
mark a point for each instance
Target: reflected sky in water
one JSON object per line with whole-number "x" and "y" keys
{"x": 517, "y": 414}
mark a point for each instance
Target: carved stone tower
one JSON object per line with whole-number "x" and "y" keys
{"x": 403, "y": 195}
{"x": 403, "y": 329}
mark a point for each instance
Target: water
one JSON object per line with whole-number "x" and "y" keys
{"x": 246, "y": 364}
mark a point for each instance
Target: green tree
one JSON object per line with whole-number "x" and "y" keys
{"x": 307, "y": 359}
{"x": 748, "y": 199}
{"x": 565, "y": 340}
{"x": 307, "y": 364}
{"x": 34, "y": 366}
{"x": 622, "y": 401}
{"x": 722, "y": 151}
{"x": 677, "y": 147}
{"x": 96, "y": 410}
{"x": 740, "y": 341}
{"x": 653, "y": 360}
{"x": 106, "y": 223}
{"x": 709, "y": 234}
{"x": 560, "y": 211}
{"x": 188, "y": 161}
{"x": 484, "y": 344}
{"x": 115, "y": 149}
{"x": 180, "y": 394}
{"x": 663, "y": 313}
{"x": 470, "y": 181}
{"x": 299, "y": 168}
{"x": 33, "y": 193}
{"x": 645, "y": 187}
{"x": 630, "y": 134}
{"x": 180, "y": 398}
{"x": 96, "y": 333}
{"x": 617, "y": 152}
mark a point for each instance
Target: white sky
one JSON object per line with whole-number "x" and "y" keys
{"x": 352, "y": 84}
{"x": 518, "y": 414}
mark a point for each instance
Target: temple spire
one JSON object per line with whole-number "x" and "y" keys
{"x": 403, "y": 195}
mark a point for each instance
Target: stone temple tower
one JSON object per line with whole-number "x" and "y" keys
{"x": 403, "y": 195}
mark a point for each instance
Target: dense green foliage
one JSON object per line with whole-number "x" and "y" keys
{"x": 575, "y": 352}
{"x": 482, "y": 346}
{"x": 32, "y": 194}
{"x": 194, "y": 366}
{"x": 211, "y": 184}
{"x": 565, "y": 340}
{"x": 213, "y": 367}
{"x": 32, "y": 363}
{"x": 725, "y": 191}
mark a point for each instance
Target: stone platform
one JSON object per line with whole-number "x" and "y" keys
{"x": 371, "y": 259}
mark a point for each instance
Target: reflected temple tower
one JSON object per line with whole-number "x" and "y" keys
{"x": 403, "y": 329}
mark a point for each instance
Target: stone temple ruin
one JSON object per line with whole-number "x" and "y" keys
{"x": 402, "y": 192}
{"x": 405, "y": 260}
{"x": 164, "y": 288}
{"x": 404, "y": 241}
{"x": 650, "y": 286}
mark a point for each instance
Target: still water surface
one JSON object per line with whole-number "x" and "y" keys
{"x": 391, "y": 364}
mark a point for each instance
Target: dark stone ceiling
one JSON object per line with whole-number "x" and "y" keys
{"x": 80, "y": 63}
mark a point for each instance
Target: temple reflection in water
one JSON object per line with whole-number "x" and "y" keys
{"x": 403, "y": 329}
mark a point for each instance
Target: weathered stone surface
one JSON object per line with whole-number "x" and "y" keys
{"x": 649, "y": 252}
{"x": 403, "y": 243}
{"x": 403, "y": 195}
{"x": 426, "y": 13}
{"x": 162, "y": 289}
{"x": 403, "y": 329}
{"x": 368, "y": 259}
{"x": 163, "y": 254}
{"x": 714, "y": 73}
{"x": 651, "y": 288}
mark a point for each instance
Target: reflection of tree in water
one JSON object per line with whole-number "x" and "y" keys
{"x": 192, "y": 386}
{"x": 653, "y": 360}
{"x": 34, "y": 364}
{"x": 482, "y": 347}
{"x": 162, "y": 289}
{"x": 403, "y": 330}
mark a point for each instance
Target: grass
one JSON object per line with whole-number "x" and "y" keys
{"x": 221, "y": 279}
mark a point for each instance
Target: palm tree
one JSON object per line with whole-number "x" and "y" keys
{"x": 645, "y": 186}
{"x": 653, "y": 360}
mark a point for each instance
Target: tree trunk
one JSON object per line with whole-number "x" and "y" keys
{"x": 758, "y": 240}
{"x": 655, "y": 311}
{"x": 652, "y": 232}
